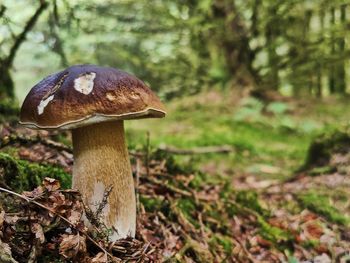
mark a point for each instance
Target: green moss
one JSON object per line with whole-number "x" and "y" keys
{"x": 152, "y": 204}
{"x": 22, "y": 175}
{"x": 322, "y": 170}
{"x": 187, "y": 208}
{"x": 222, "y": 241}
{"x": 250, "y": 200}
{"x": 173, "y": 166}
{"x": 321, "y": 205}
{"x": 274, "y": 234}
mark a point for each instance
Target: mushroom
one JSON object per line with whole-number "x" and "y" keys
{"x": 93, "y": 102}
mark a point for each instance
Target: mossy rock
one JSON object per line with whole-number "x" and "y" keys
{"x": 22, "y": 175}
{"x": 324, "y": 146}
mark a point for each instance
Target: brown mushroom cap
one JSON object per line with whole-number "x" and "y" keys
{"x": 85, "y": 94}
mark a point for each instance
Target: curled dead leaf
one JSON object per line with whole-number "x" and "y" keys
{"x": 72, "y": 245}
{"x": 38, "y": 231}
{"x": 100, "y": 258}
{"x": 51, "y": 184}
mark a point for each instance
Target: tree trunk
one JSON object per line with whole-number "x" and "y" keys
{"x": 272, "y": 81}
{"x": 239, "y": 56}
{"x": 340, "y": 68}
{"x": 6, "y": 82}
{"x": 319, "y": 63}
{"x": 331, "y": 76}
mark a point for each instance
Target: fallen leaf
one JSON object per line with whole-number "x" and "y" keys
{"x": 38, "y": 231}
{"x": 71, "y": 245}
{"x": 51, "y": 184}
{"x": 100, "y": 258}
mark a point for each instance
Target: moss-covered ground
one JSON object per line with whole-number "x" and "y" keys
{"x": 272, "y": 199}
{"x": 269, "y": 139}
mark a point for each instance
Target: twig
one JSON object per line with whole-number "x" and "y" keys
{"x": 170, "y": 187}
{"x": 197, "y": 150}
{"x": 138, "y": 170}
{"x": 104, "y": 201}
{"x": 17, "y": 138}
{"x": 22, "y": 36}
{"x": 55, "y": 213}
{"x": 147, "y": 153}
{"x": 245, "y": 250}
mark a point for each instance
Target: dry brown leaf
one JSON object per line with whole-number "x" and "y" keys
{"x": 2, "y": 218}
{"x": 38, "y": 231}
{"x": 313, "y": 230}
{"x": 74, "y": 217}
{"x": 51, "y": 184}
{"x": 71, "y": 245}
{"x": 100, "y": 258}
{"x": 5, "y": 253}
{"x": 35, "y": 193}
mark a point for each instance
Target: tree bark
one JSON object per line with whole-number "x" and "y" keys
{"x": 340, "y": 68}
{"x": 331, "y": 76}
{"x": 272, "y": 80}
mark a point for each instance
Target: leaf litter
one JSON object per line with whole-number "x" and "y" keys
{"x": 182, "y": 215}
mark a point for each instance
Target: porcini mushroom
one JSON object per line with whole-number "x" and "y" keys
{"x": 93, "y": 102}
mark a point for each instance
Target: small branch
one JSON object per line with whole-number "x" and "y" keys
{"x": 21, "y": 139}
{"x": 169, "y": 187}
{"x": 198, "y": 150}
{"x": 104, "y": 201}
{"x": 55, "y": 213}
{"x": 137, "y": 184}
{"x": 147, "y": 153}
{"x": 22, "y": 36}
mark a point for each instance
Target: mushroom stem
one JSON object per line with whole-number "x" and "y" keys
{"x": 101, "y": 160}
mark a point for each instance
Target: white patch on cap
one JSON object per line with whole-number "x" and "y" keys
{"x": 85, "y": 83}
{"x": 43, "y": 104}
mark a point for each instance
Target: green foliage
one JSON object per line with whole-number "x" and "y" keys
{"x": 321, "y": 204}
{"x": 21, "y": 175}
{"x": 187, "y": 46}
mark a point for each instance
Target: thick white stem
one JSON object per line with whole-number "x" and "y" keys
{"x": 101, "y": 160}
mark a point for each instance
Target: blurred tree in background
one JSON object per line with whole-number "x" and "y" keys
{"x": 181, "y": 47}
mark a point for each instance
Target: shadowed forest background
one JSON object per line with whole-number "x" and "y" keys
{"x": 252, "y": 162}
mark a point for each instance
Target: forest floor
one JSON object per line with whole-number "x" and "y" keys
{"x": 278, "y": 193}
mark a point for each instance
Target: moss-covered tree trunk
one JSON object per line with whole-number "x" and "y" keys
{"x": 6, "y": 82}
